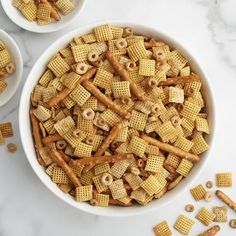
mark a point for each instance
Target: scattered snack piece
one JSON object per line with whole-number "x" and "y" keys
{"x": 222, "y": 196}
{"x": 209, "y": 184}
{"x": 221, "y": 213}
{"x": 232, "y": 223}
{"x": 6, "y": 129}
{"x": 198, "y": 192}
{"x": 2, "y": 141}
{"x": 208, "y": 196}
{"x": 11, "y": 147}
{"x": 189, "y": 208}
{"x": 43, "y": 11}
{"x": 184, "y": 224}
{"x": 211, "y": 232}
{"x": 162, "y": 229}
{"x": 205, "y": 216}
{"x": 105, "y": 129}
{"x": 224, "y": 180}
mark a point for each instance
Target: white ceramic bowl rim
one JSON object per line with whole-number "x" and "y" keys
{"x": 25, "y": 130}
{"x": 18, "y": 19}
{"x": 14, "y": 79}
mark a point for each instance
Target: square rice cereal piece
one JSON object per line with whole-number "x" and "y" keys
{"x": 119, "y": 168}
{"x": 80, "y": 52}
{"x": 154, "y": 163}
{"x": 192, "y": 89}
{"x": 5, "y": 58}
{"x": 224, "y": 179}
{"x": 103, "y": 33}
{"x": 2, "y": 141}
{"x": 162, "y": 229}
{"x": 29, "y": 11}
{"x": 151, "y": 185}
{"x": 139, "y": 195}
{"x": 97, "y": 141}
{"x": 6, "y": 129}
{"x": 185, "y": 71}
{"x": 3, "y": 86}
{"x": 190, "y": 110}
{"x": 173, "y": 160}
{"x": 80, "y": 95}
{"x": 176, "y": 95}
{"x": 184, "y": 167}
{"x": 59, "y": 176}
{"x": 65, "y": 6}
{"x": 138, "y": 120}
{"x": 198, "y": 192}
{"x": 117, "y": 32}
{"x": 84, "y": 193}
{"x": 200, "y": 144}
{"x": 205, "y": 216}
{"x": 202, "y": 125}
{"x": 87, "y": 178}
{"x": 2, "y": 45}
{"x": 179, "y": 60}
{"x": 117, "y": 189}
{"x": 42, "y": 113}
{"x": 147, "y": 67}
{"x": 46, "y": 78}
{"x": 68, "y": 102}
{"x": 137, "y": 51}
{"x": 83, "y": 150}
{"x": 101, "y": 168}
{"x": 92, "y": 103}
{"x": 166, "y": 131}
{"x": 152, "y": 150}
{"x": 110, "y": 117}
{"x": 183, "y": 143}
{"x": 121, "y": 89}
{"x": 64, "y": 125}
{"x": 184, "y": 224}
{"x": 43, "y": 12}
{"x": 89, "y": 38}
{"x": 100, "y": 187}
{"x": 221, "y": 214}
{"x": 122, "y": 135}
{"x": 58, "y": 66}
{"x": 134, "y": 181}
{"x": 50, "y": 168}
{"x": 43, "y": 152}
{"x": 102, "y": 199}
{"x": 70, "y": 79}
{"x": 137, "y": 146}
{"x": 103, "y": 79}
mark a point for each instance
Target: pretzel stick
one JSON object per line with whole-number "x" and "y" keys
{"x": 66, "y": 91}
{"x": 118, "y": 203}
{"x": 211, "y": 232}
{"x": 52, "y": 138}
{"x": 54, "y": 13}
{"x": 3, "y": 73}
{"x": 180, "y": 80}
{"x": 37, "y": 136}
{"x": 223, "y": 197}
{"x": 64, "y": 156}
{"x": 56, "y": 156}
{"x": 125, "y": 76}
{"x": 174, "y": 183}
{"x": 102, "y": 159}
{"x": 171, "y": 149}
{"x": 105, "y": 100}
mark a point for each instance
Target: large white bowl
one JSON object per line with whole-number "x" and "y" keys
{"x": 15, "y": 15}
{"x": 26, "y": 133}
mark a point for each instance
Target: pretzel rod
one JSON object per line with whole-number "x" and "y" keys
{"x": 118, "y": 203}
{"x": 171, "y": 149}
{"x": 125, "y": 76}
{"x": 3, "y": 73}
{"x": 52, "y": 138}
{"x": 54, "y": 13}
{"x": 108, "y": 140}
{"x": 105, "y": 100}
{"x": 64, "y": 156}
{"x": 101, "y": 159}
{"x": 179, "y": 80}
{"x": 228, "y": 201}
{"x": 211, "y": 232}
{"x": 174, "y": 183}
{"x": 66, "y": 91}
{"x": 57, "y": 157}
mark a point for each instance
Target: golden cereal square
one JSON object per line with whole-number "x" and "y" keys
{"x": 84, "y": 193}
{"x": 184, "y": 224}
{"x": 69, "y": 80}
{"x": 83, "y": 150}
{"x": 137, "y": 146}
{"x": 139, "y": 195}
{"x": 179, "y": 60}
{"x": 117, "y": 32}
{"x": 92, "y": 103}
{"x": 46, "y": 78}
{"x": 138, "y": 120}
{"x": 65, "y": 6}
{"x": 154, "y": 163}
{"x": 103, "y": 79}
{"x": 173, "y": 160}
{"x": 198, "y": 192}
{"x": 58, "y": 66}
{"x": 2, "y": 141}
{"x": 147, "y": 67}
{"x": 80, "y": 95}
{"x": 183, "y": 143}
{"x": 59, "y": 176}
{"x": 80, "y": 52}
{"x": 166, "y": 131}
{"x": 121, "y": 89}
{"x": 2, "y": 45}
{"x": 89, "y": 38}
{"x": 64, "y": 125}
{"x": 153, "y": 150}
{"x": 100, "y": 187}
{"x": 133, "y": 180}
{"x": 5, "y": 58}
{"x": 117, "y": 189}
{"x": 205, "y": 216}
{"x": 42, "y": 113}
{"x": 202, "y": 125}
{"x": 103, "y": 33}
{"x": 43, "y": 12}
{"x": 190, "y": 110}
{"x": 87, "y": 178}
{"x": 102, "y": 199}
{"x": 119, "y": 168}
{"x": 184, "y": 167}
{"x": 3, "y": 86}
{"x": 110, "y": 117}
{"x": 224, "y": 179}
{"x": 185, "y": 71}
{"x": 151, "y": 185}
{"x": 221, "y": 214}
{"x": 176, "y": 95}
{"x": 101, "y": 168}
{"x": 137, "y": 51}
{"x": 200, "y": 144}
{"x": 29, "y": 11}
{"x": 162, "y": 229}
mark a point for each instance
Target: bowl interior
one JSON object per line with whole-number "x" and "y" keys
{"x": 15, "y": 15}
{"x": 26, "y": 134}
{"x": 14, "y": 79}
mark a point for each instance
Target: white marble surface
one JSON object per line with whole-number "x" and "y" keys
{"x": 205, "y": 27}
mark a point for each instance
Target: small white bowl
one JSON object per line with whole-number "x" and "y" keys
{"x": 14, "y": 79}
{"x": 27, "y": 140}
{"x": 15, "y": 15}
